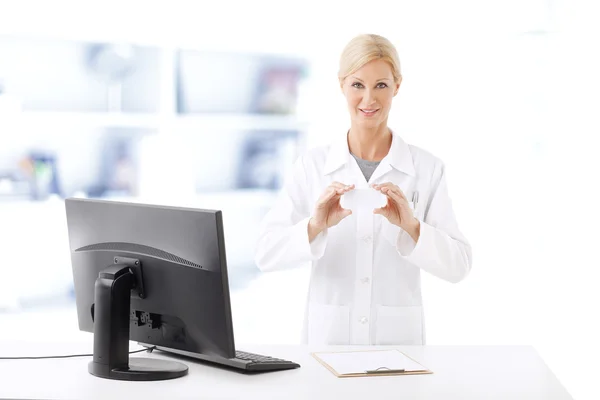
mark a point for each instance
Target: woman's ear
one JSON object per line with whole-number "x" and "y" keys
{"x": 397, "y": 86}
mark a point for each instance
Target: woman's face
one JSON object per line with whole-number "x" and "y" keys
{"x": 369, "y": 93}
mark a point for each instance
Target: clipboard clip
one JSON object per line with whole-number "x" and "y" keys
{"x": 384, "y": 370}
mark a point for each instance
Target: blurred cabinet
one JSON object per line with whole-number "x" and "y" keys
{"x": 94, "y": 107}
{"x": 178, "y": 126}
{"x": 54, "y": 75}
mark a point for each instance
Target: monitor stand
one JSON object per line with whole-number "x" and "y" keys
{"x": 112, "y": 302}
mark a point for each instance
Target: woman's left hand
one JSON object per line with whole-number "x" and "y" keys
{"x": 397, "y": 210}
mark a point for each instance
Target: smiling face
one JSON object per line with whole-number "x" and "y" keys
{"x": 369, "y": 93}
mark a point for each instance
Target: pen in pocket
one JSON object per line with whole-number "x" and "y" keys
{"x": 415, "y": 199}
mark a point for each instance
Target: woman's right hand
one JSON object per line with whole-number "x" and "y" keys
{"x": 328, "y": 211}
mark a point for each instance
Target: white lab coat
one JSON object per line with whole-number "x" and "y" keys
{"x": 365, "y": 283}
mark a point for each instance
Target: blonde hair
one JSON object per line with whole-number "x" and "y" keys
{"x": 364, "y": 49}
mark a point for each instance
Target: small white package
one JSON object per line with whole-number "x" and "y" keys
{"x": 363, "y": 199}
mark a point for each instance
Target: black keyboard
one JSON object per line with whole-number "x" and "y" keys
{"x": 258, "y": 362}
{"x": 244, "y": 361}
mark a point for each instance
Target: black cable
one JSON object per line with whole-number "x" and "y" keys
{"x": 149, "y": 350}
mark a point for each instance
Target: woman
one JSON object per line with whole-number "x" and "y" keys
{"x": 365, "y": 285}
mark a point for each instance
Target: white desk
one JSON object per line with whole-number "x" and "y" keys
{"x": 460, "y": 372}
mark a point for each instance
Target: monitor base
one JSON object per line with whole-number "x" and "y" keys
{"x": 111, "y": 316}
{"x": 140, "y": 369}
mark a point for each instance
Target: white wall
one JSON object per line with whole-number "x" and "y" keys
{"x": 513, "y": 115}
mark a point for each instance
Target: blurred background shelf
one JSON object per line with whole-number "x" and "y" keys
{"x": 153, "y": 123}
{"x": 240, "y": 122}
{"x": 67, "y": 119}
{"x": 201, "y": 122}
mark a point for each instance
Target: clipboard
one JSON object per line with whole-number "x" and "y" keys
{"x": 352, "y": 364}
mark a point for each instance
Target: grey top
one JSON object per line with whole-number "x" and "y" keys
{"x": 367, "y": 167}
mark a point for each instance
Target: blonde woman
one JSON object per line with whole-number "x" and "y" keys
{"x": 365, "y": 284}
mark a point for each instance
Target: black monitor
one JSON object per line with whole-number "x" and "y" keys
{"x": 152, "y": 274}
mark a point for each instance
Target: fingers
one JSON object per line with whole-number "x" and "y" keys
{"x": 381, "y": 210}
{"x": 335, "y": 189}
{"x": 330, "y": 193}
{"x": 389, "y": 187}
{"x": 337, "y": 184}
{"x": 393, "y": 194}
{"x": 340, "y": 187}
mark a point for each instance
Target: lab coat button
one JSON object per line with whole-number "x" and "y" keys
{"x": 365, "y": 279}
{"x": 367, "y": 239}
{"x": 364, "y": 320}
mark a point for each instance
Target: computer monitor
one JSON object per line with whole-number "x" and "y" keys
{"x": 151, "y": 274}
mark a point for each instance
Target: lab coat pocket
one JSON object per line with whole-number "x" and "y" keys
{"x": 328, "y": 324}
{"x": 399, "y": 325}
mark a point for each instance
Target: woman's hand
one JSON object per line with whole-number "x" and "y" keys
{"x": 397, "y": 210}
{"x": 328, "y": 211}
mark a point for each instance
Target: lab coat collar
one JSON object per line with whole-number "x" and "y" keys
{"x": 399, "y": 156}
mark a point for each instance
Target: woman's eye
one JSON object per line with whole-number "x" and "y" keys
{"x": 359, "y": 85}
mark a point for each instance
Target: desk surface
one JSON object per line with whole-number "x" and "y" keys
{"x": 460, "y": 372}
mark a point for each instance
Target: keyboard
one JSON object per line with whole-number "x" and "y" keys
{"x": 258, "y": 362}
{"x": 243, "y": 361}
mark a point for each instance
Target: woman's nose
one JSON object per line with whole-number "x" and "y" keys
{"x": 369, "y": 98}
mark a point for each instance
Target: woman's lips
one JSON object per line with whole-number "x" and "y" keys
{"x": 367, "y": 112}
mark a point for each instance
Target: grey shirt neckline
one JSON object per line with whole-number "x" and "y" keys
{"x": 367, "y": 167}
